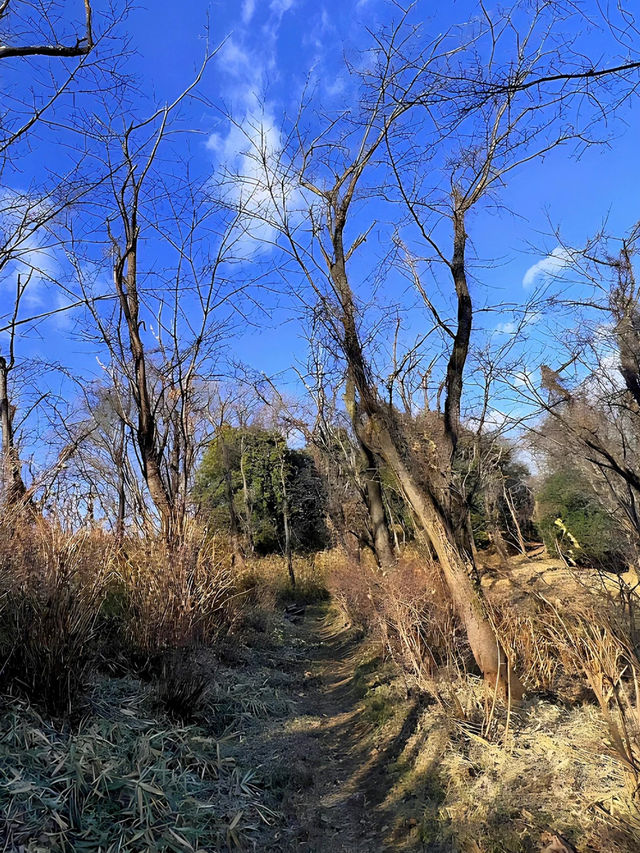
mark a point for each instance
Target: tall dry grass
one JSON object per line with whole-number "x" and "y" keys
{"x": 408, "y": 610}
{"x": 580, "y": 650}
{"x": 52, "y": 586}
{"x": 73, "y": 603}
{"x": 176, "y": 598}
{"x": 583, "y": 652}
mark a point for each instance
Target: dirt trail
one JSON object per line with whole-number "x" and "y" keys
{"x": 335, "y": 775}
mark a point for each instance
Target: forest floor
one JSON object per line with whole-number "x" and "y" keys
{"x": 361, "y": 762}
{"x": 310, "y": 740}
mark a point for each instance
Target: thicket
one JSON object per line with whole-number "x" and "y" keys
{"x": 254, "y": 474}
{"x": 72, "y": 605}
{"x": 574, "y": 522}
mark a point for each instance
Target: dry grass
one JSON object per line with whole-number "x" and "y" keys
{"x": 51, "y": 589}
{"x": 452, "y": 789}
{"x": 408, "y": 610}
{"x": 268, "y": 580}
{"x": 69, "y": 603}
{"x": 90, "y": 762}
{"x": 568, "y": 638}
{"x": 134, "y": 775}
{"x": 175, "y": 599}
{"x": 489, "y": 797}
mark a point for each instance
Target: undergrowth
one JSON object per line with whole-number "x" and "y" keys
{"x": 151, "y": 767}
{"x": 125, "y": 779}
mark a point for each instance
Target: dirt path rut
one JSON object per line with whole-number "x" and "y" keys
{"x": 334, "y": 778}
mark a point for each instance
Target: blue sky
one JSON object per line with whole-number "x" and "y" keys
{"x": 270, "y": 51}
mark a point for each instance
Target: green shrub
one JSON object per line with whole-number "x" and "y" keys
{"x": 573, "y": 520}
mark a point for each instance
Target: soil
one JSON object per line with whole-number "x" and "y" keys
{"x": 327, "y": 762}
{"x": 351, "y": 758}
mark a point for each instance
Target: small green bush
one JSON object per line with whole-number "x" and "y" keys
{"x": 572, "y": 519}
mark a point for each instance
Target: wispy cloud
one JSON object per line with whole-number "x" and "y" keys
{"x": 279, "y": 7}
{"x": 248, "y": 8}
{"x": 248, "y": 149}
{"x": 547, "y": 268}
{"x": 506, "y": 328}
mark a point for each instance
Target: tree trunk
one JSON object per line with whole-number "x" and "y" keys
{"x": 393, "y": 527}
{"x": 457, "y": 571}
{"x": 454, "y": 378}
{"x": 146, "y": 433}
{"x": 287, "y": 525}
{"x": 14, "y": 488}
{"x": 457, "y": 568}
{"x": 237, "y": 551}
{"x": 380, "y": 535}
{"x": 248, "y": 514}
{"x": 493, "y": 521}
{"x": 122, "y": 500}
{"x": 377, "y": 515}
{"x": 514, "y": 517}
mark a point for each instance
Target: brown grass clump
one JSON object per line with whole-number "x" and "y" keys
{"x": 51, "y": 589}
{"x": 571, "y": 635}
{"x": 174, "y": 599}
{"x": 417, "y": 620}
{"x": 352, "y": 591}
{"x": 274, "y": 582}
{"x": 408, "y": 609}
{"x": 573, "y": 647}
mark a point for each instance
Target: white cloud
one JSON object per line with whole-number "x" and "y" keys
{"x": 248, "y": 149}
{"x": 495, "y": 420}
{"x": 524, "y": 378}
{"x": 248, "y": 8}
{"x": 234, "y": 58}
{"x": 24, "y": 239}
{"x": 548, "y": 267}
{"x": 279, "y": 7}
{"x": 337, "y": 87}
{"x": 506, "y": 328}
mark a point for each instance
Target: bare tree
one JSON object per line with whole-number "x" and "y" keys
{"x": 160, "y": 333}
{"x": 14, "y": 488}
{"x": 37, "y": 37}
{"x": 419, "y": 95}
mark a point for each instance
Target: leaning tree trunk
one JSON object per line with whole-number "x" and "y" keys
{"x": 522, "y": 545}
{"x": 456, "y": 566}
{"x": 457, "y": 570}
